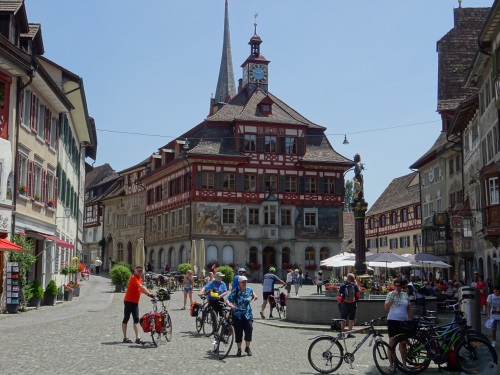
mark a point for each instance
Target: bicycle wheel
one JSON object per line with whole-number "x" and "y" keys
{"x": 417, "y": 354}
{"x": 475, "y": 355}
{"x": 384, "y": 358}
{"x": 153, "y": 331}
{"x": 199, "y": 322}
{"x": 209, "y": 323}
{"x": 278, "y": 309}
{"x": 167, "y": 328}
{"x": 225, "y": 343}
{"x": 325, "y": 354}
{"x": 283, "y": 311}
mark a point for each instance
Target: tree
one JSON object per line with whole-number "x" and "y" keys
{"x": 348, "y": 196}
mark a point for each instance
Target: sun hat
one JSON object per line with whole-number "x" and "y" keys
{"x": 219, "y": 274}
{"x": 272, "y": 269}
{"x": 242, "y": 278}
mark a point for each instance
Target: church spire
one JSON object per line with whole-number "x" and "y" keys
{"x": 226, "y": 89}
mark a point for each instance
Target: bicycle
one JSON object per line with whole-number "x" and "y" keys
{"x": 158, "y": 322}
{"x": 206, "y": 319}
{"x": 326, "y": 353}
{"x": 424, "y": 343}
{"x": 280, "y": 299}
{"x": 149, "y": 281}
{"x": 224, "y": 333}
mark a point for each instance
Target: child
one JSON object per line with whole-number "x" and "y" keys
{"x": 493, "y": 311}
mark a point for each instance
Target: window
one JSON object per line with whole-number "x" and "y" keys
{"x": 309, "y": 256}
{"x": 310, "y": 187}
{"x": 172, "y": 219}
{"x": 228, "y": 216}
{"x": 493, "y": 190}
{"x": 329, "y": 185}
{"x": 270, "y": 143}
{"x": 187, "y": 216}
{"x": 38, "y": 180}
{"x": 286, "y": 216}
{"x": 383, "y": 221}
{"x": 207, "y": 180}
{"x": 253, "y": 216}
{"x": 250, "y": 142}
{"x": 394, "y": 218}
{"x": 53, "y": 132}
{"x": 26, "y": 108}
{"x": 383, "y": 241}
{"x": 451, "y": 164}
{"x": 270, "y": 213}
{"x": 290, "y": 145}
{"x": 250, "y": 182}
{"x": 229, "y": 181}
{"x": 165, "y": 221}
{"x": 310, "y": 217}
{"x": 51, "y": 187}
{"x": 417, "y": 212}
{"x": 467, "y": 225}
{"x": 290, "y": 184}
{"x": 158, "y": 224}
{"x": 404, "y": 241}
{"x": 404, "y": 215}
{"x": 41, "y": 122}
{"x": 150, "y": 225}
{"x": 271, "y": 182}
{"x": 119, "y": 248}
{"x": 393, "y": 243}
{"x": 180, "y": 223}
{"x": 23, "y": 170}
{"x": 457, "y": 163}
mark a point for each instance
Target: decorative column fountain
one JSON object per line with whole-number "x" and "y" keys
{"x": 359, "y": 207}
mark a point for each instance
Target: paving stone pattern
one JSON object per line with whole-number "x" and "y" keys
{"x": 84, "y": 337}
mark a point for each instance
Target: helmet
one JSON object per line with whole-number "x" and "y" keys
{"x": 242, "y": 270}
{"x": 272, "y": 269}
{"x": 163, "y": 294}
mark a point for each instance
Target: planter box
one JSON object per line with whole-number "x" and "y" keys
{"x": 119, "y": 288}
{"x": 76, "y": 292}
{"x": 35, "y": 302}
{"x": 49, "y": 300}
{"x": 331, "y": 293}
{"x": 68, "y": 296}
{"x": 12, "y": 309}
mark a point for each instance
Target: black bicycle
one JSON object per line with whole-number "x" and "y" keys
{"x": 224, "y": 334}
{"x": 326, "y": 352}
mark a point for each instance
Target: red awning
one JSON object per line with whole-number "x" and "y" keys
{"x": 59, "y": 242}
{"x": 6, "y": 245}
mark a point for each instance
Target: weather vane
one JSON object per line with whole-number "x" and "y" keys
{"x": 255, "y": 22}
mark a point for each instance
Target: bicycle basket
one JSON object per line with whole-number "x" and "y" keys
{"x": 163, "y": 294}
{"x": 409, "y": 325}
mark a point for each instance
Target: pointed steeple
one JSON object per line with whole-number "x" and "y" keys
{"x": 226, "y": 88}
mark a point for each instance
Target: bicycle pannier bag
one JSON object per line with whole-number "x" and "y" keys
{"x": 144, "y": 322}
{"x": 195, "y": 309}
{"x": 272, "y": 301}
{"x": 283, "y": 299}
{"x": 158, "y": 322}
{"x": 349, "y": 293}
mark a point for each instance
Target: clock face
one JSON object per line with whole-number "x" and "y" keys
{"x": 258, "y": 73}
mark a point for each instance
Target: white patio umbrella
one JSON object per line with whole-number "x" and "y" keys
{"x": 423, "y": 260}
{"x": 202, "y": 259}
{"x": 194, "y": 257}
{"x": 387, "y": 257}
{"x": 140, "y": 256}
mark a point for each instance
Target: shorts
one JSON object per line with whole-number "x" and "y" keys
{"x": 265, "y": 295}
{"x": 394, "y": 328}
{"x": 188, "y": 290}
{"x": 348, "y": 310}
{"x": 130, "y": 308}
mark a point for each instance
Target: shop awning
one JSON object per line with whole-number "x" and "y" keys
{"x": 59, "y": 242}
{"x": 6, "y": 245}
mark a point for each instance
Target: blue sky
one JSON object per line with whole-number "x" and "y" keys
{"x": 367, "y": 69}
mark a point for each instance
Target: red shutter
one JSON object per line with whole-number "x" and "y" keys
{"x": 47, "y": 125}
{"x": 37, "y": 108}
{"x": 30, "y": 185}
{"x": 43, "y": 198}
{"x": 56, "y": 182}
{"x": 32, "y": 112}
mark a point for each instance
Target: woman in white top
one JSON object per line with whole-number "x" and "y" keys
{"x": 398, "y": 304}
{"x": 188, "y": 287}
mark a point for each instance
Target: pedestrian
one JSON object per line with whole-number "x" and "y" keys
{"x": 240, "y": 298}
{"x": 216, "y": 290}
{"x": 349, "y": 294}
{"x": 131, "y": 304}
{"x": 166, "y": 268}
{"x": 452, "y": 291}
{"x": 397, "y": 303}
{"x": 474, "y": 279}
{"x": 268, "y": 289}
{"x": 209, "y": 277}
{"x": 493, "y": 303}
{"x": 483, "y": 293}
{"x": 416, "y": 289}
{"x": 288, "y": 281}
{"x": 301, "y": 277}
{"x": 319, "y": 280}
{"x": 296, "y": 281}
{"x": 149, "y": 267}
{"x": 188, "y": 283}
{"x": 97, "y": 265}
{"x": 241, "y": 272}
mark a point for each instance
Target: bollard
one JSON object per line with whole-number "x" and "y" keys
{"x": 470, "y": 306}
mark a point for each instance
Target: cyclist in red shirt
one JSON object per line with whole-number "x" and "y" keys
{"x": 131, "y": 304}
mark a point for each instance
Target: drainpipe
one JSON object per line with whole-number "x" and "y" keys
{"x": 15, "y": 186}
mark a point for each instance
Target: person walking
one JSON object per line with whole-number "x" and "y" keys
{"x": 296, "y": 281}
{"x": 241, "y": 272}
{"x": 131, "y": 304}
{"x": 166, "y": 268}
{"x": 319, "y": 280}
{"x": 240, "y": 298}
{"x": 97, "y": 265}
{"x": 483, "y": 293}
{"x": 349, "y": 294}
{"x": 397, "y": 303}
{"x": 149, "y": 267}
{"x": 268, "y": 289}
{"x": 216, "y": 290}
{"x": 416, "y": 289}
{"x": 188, "y": 283}
{"x": 493, "y": 304}
{"x": 209, "y": 277}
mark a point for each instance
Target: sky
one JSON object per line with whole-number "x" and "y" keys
{"x": 365, "y": 70}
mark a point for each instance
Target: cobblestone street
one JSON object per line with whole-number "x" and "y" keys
{"x": 84, "y": 336}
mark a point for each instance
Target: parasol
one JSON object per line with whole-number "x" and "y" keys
{"x": 140, "y": 257}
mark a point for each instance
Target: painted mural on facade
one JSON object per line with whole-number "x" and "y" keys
{"x": 209, "y": 220}
{"x": 328, "y": 219}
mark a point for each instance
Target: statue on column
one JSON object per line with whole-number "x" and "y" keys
{"x": 358, "y": 194}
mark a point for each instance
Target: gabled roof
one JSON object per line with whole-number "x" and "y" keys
{"x": 35, "y": 34}
{"x": 18, "y": 9}
{"x": 244, "y": 108}
{"x": 319, "y": 149}
{"x": 402, "y": 192}
{"x": 431, "y": 154}
{"x": 97, "y": 175}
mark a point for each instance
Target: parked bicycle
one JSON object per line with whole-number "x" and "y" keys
{"x": 326, "y": 352}
{"x": 158, "y": 322}
{"x": 206, "y": 318}
{"x": 455, "y": 342}
{"x": 279, "y": 302}
{"x": 224, "y": 333}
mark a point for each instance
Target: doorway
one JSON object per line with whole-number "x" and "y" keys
{"x": 268, "y": 259}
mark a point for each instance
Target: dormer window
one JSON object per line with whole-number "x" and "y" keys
{"x": 266, "y": 106}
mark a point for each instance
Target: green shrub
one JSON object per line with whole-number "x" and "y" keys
{"x": 124, "y": 264}
{"x": 184, "y": 267}
{"x": 120, "y": 275}
{"x": 51, "y": 289}
{"x": 228, "y": 273}
{"x": 36, "y": 289}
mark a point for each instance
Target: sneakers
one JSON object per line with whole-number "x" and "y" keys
{"x": 390, "y": 370}
{"x": 262, "y": 315}
{"x": 351, "y": 336}
{"x": 271, "y": 316}
{"x": 238, "y": 353}
{"x": 494, "y": 344}
{"x": 248, "y": 351}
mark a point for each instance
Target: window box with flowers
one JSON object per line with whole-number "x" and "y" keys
{"x": 331, "y": 290}
{"x": 51, "y": 203}
{"x": 323, "y": 267}
{"x": 76, "y": 288}
{"x": 68, "y": 292}
{"x": 286, "y": 266}
{"x": 22, "y": 189}
{"x": 311, "y": 267}
{"x": 254, "y": 266}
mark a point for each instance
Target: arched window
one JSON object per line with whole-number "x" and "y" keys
{"x": 211, "y": 253}
{"x": 171, "y": 255}
{"x": 309, "y": 256}
{"x": 324, "y": 253}
{"x": 129, "y": 253}
{"x": 227, "y": 254}
{"x": 285, "y": 255}
{"x": 119, "y": 250}
{"x": 253, "y": 254}
{"x": 162, "y": 258}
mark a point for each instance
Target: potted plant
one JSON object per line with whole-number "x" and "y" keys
{"x": 22, "y": 189}
{"x": 68, "y": 292}
{"x": 37, "y": 197}
{"x": 50, "y": 294}
{"x": 120, "y": 276}
{"x": 184, "y": 267}
{"x": 36, "y": 291}
{"x": 51, "y": 203}
{"x": 76, "y": 288}
{"x": 331, "y": 290}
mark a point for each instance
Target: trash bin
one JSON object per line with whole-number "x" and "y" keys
{"x": 470, "y": 306}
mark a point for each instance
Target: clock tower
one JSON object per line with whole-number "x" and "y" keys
{"x": 255, "y": 67}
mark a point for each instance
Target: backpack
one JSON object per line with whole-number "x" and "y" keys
{"x": 349, "y": 293}
{"x": 272, "y": 301}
